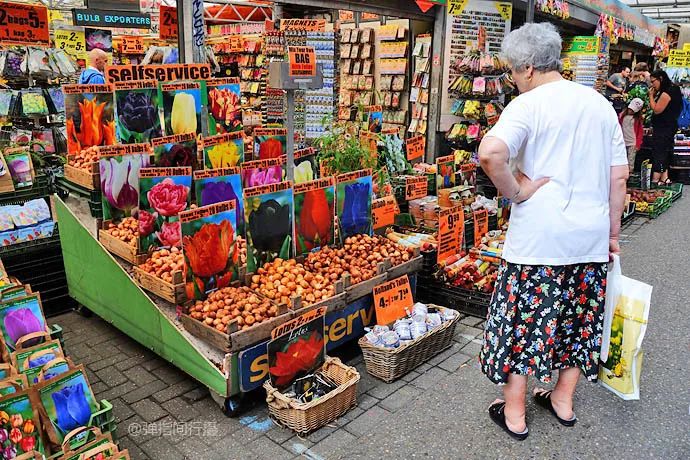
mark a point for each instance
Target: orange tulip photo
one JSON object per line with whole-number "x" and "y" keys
{"x": 89, "y": 120}
{"x": 314, "y": 219}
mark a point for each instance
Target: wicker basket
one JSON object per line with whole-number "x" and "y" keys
{"x": 389, "y": 364}
{"x": 306, "y": 417}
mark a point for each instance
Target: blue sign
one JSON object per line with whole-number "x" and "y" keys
{"x": 111, "y": 19}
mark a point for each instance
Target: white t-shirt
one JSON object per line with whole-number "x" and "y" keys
{"x": 569, "y": 133}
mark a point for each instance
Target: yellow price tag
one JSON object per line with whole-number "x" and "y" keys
{"x": 686, "y": 46}
{"x": 72, "y": 42}
{"x": 456, "y": 7}
{"x": 505, "y": 10}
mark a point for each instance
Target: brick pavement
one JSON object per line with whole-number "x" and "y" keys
{"x": 164, "y": 414}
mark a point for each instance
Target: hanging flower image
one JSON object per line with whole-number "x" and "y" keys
{"x": 120, "y": 181}
{"x": 270, "y": 148}
{"x": 170, "y": 234}
{"x": 216, "y": 192}
{"x": 21, "y": 322}
{"x": 208, "y": 250}
{"x": 269, "y": 225}
{"x": 183, "y": 115}
{"x": 168, "y": 198}
{"x": 225, "y": 106}
{"x": 315, "y": 219}
{"x": 355, "y": 214}
{"x": 147, "y": 222}
{"x": 177, "y": 155}
{"x": 257, "y": 176}
{"x": 300, "y": 356}
{"x": 304, "y": 172}
{"x": 224, "y": 155}
{"x": 93, "y": 130}
{"x": 71, "y": 407}
{"x": 137, "y": 112}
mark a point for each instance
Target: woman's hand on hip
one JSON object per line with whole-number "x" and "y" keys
{"x": 528, "y": 187}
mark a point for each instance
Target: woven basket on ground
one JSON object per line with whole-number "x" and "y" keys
{"x": 307, "y": 417}
{"x": 389, "y": 364}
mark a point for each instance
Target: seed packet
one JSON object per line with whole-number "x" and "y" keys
{"x": 33, "y": 103}
{"x": 5, "y": 102}
{"x": 13, "y": 384}
{"x": 22, "y": 323}
{"x": 58, "y": 99}
{"x": 19, "y": 419}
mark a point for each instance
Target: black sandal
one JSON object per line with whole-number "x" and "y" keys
{"x": 543, "y": 398}
{"x": 497, "y": 414}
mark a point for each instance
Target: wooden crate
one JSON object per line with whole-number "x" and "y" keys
{"x": 116, "y": 246}
{"x": 411, "y": 266}
{"x": 359, "y": 290}
{"x": 90, "y": 180}
{"x": 172, "y": 292}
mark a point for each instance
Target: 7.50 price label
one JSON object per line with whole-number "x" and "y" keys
{"x": 22, "y": 24}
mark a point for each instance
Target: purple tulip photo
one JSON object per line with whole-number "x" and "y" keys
{"x": 20, "y": 322}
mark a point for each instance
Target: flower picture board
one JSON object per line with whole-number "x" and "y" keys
{"x": 30, "y": 361}
{"x": 213, "y": 186}
{"x": 306, "y": 165}
{"x": 13, "y": 384}
{"x": 223, "y": 150}
{"x": 297, "y": 348}
{"x": 175, "y": 150}
{"x": 269, "y": 143}
{"x": 183, "y": 103}
{"x": 210, "y": 249}
{"x": 119, "y": 167}
{"x": 20, "y": 166}
{"x": 224, "y": 105}
{"x": 89, "y": 116}
{"x": 20, "y": 424}
{"x": 137, "y": 109}
{"x": 268, "y": 223}
{"x": 262, "y": 172}
{"x": 354, "y": 193}
{"x": 314, "y": 214}
{"x": 165, "y": 192}
{"x": 66, "y": 402}
{"x": 19, "y": 318}
{"x": 446, "y": 172}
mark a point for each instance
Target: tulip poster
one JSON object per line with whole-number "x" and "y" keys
{"x": 210, "y": 249}
{"x": 268, "y": 221}
{"x": 224, "y": 105}
{"x": 354, "y": 192}
{"x": 18, "y": 318}
{"x": 306, "y": 165}
{"x": 176, "y": 150}
{"x": 67, "y": 402}
{"x": 297, "y": 348}
{"x": 269, "y": 143}
{"x": 223, "y": 150}
{"x": 20, "y": 428}
{"x": 89, "y": 116}
{"x": 262, "y": 172}
{"x": 137, "y": 109}
{"x": 165, "y": 192}
{"x": 213, "y": 186}
{"x": 182, "y": 106}
{"x": 314, "y": 214}
{"x": 119, "y": 172}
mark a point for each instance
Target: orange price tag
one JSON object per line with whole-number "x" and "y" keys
{"x": 167, "y": 29}
{"x": 481, "y": 225}
{"x": 415, "y": 147}
{"x": 451, "y": 226}
{"x": 133, "y": 45}
{"x": 391, "y": 299}
{"x": 302, "y": 61}
{"x": 236, "y": 43}
{"x": 415, "y": 187}
{"x": 383, "y": 211}
{"x": 22, "y": 24}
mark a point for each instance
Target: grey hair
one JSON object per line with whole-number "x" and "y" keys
{"x": 536, "y": 45}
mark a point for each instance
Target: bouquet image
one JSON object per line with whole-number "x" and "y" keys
{"x": 162, "y": 198}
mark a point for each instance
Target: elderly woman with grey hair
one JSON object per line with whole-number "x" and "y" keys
{"x": 558, "y": 152}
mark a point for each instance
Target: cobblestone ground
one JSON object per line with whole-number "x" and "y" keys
{"x": 163, "y": 414}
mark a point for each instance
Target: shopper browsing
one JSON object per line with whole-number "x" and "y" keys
{"x": 617, "y": 82}
{"x": 633, "y": 129}
{"x": 568, "y": 194}
{"x": 93, "y": 74}
{"x": 666, "y": 102}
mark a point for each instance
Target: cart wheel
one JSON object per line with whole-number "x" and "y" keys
{"x": 233, "y": 406}
{"x": 62, "y": 193}
{"x": 83, "y": 311}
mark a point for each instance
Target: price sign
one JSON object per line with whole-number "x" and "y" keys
{"x": 451, "y": 226}
{"x": 302, "y": 61}
{"x": 22, "y": 24}
{"x": 236, "y": 43}
{"x": 383, "y": 211}
{"x": 415, "y": 187}
{"x": 481, "y": 226}
{"x": 456, "y": 7}
{"x": 72, "y": 42}
{"x": 391, "y": 299}
{"x": 505, "y": 10}
{"x": 415, "y": 147}
{"x": 167, "y": 30}
{"x": 132, "y": 45}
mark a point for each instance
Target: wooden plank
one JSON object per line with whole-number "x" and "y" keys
{"x": 206, "y": 333}
{"x": 116, "y": 246}
{"x": 88, "y": 179}
{"x": 173, "y": 293}
{"x": 411, "y": 266}
{"x": 334, "y": 303}
{"x": 240, "y": 340}
{"x": 359, "y": 290}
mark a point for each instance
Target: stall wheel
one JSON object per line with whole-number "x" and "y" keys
{"x": 234, "y": 406}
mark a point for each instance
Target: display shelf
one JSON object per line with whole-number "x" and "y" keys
{"x": 39, "y": 189}
{"x": 419, "y": 94}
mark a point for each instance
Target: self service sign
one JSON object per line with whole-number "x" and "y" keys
{"x": 111, "y": 19}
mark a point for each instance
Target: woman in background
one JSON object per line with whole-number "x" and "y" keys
{"x": 666, "y": 102}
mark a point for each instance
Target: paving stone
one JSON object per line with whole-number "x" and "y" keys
{"x": 368, "y": 422}
{"x": 429, "y": 378}
{"x": 422, "y": 368}
{"x": 118, "y": 391}
{"x": 87, "y": 360}
{"x": 480, "y": 323}
{"x": 471, "y": 349}
{"x": 106, "y": 362}
{"x": 468, "y": 320}
{"x": 144, "y": 391}
{"x": 130, "y": 362}
{"x": 111, "y": 376}
{"x": 469, "y": 330}
{"x": 121, "y": 410}
{"x": 454, "y": 362}
{"x": 462, "y": 339}
{"x": 174, "y": 391}
{"x": 154, "y": 363}
{"x": 193, "y": 447}
{"x": 383, "y": 390}
{"x": 99, "y": 387}
{"x": 265, "y": 448}
{"x": 299, "y": 446}
{"x": 161, "y": 450}
{"x": 351, "y": 415}
{"x": 140, "y": 376}
{"x": 436, "y": 360}
{"x": 321, "y": 433}
{"x": 401, "y": 398}
{"x": 279, "y": 434}
{"x": 337, "y": 441}
{"x": 366, "y": 401}
{"x": 245, "y": 436}
{"x": 149, "y": 410}
{"x": 135, "y": 452}
{"x": 169, "y": 374}
{"x": 180, "y": 409}
{"x": 366, "y": 382}
{"x": 100, "y": 338}
{"x": 197, "y": 394}
{"x": 410, "y": 376}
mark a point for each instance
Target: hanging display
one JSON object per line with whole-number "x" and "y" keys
{"x": 89, "y": 111}
{"x": 137, "y": 106}
{"x": 182, "y": 106}
{"x": 314, "y": 214}
{"x": 175, "y": 150}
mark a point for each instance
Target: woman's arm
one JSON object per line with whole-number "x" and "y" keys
{"x": 619, "y": 178}
{"x": 660, "y": 105}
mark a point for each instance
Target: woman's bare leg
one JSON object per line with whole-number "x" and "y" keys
{"x": 514, "y": 393}
{"x": 562, "y": 395}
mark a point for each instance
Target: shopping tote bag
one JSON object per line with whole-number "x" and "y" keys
{"x": 625, "y": 323}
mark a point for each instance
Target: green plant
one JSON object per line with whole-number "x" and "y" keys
{"x": 340, "y": 149}
{"x": 393, "y": 156}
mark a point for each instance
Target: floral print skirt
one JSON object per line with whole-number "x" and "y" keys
{"x": 543, "y": 318}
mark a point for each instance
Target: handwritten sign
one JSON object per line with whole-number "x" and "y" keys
{"x": 71, "y": 42}
{"x": 391, "y": 299}
{"x": 415, "y": 187}
{"x": 383, "y": 211}
{"x": 167, "y": 30}
{"x": 456, "y": 7}
{"x": 302, "y": 61}
{"x": 451, "y": 226}
{"x": 481, "y": 226}
{"x": 132, "y": 45}
{"x": 22, "y": 24}
{"x": 415, "y": 147}
{"x": 505, "y": 9}
{"x": 268, "y": 188}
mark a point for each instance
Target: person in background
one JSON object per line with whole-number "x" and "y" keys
{"x": 642, "y": 71}
{"x": 633, "y": 129}
{"x": 567, "y": 184}
{"x": 93, "y": 74}
{"x": 666, "y": 102}
{"x": 617, "y": 82}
